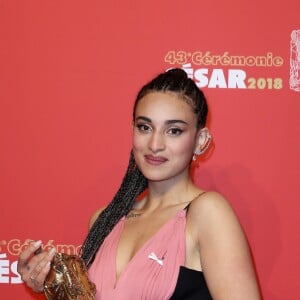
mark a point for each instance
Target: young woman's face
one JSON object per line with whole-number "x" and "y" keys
{"x": 164, "y": 136}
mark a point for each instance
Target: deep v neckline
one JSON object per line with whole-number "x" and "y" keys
{"x": 117, "y": 279}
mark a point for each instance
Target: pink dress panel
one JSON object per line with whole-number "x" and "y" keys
{"x": 144, "y": 277}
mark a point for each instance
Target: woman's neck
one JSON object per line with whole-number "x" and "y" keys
{"x": 163, "y": 194}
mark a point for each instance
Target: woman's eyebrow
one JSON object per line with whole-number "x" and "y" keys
{"x": 167, "y": 122}
{"x": 143, "y": 119}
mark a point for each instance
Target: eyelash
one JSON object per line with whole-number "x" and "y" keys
{"x": 171, "y": 131}
{"x": 175, "y": 131}
{"x": 143, "y": 127}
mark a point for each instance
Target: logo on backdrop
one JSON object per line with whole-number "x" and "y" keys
{"x": 213, "y": 70}
{"x": 10, "y": 250}
{"x": 295, "y": 61}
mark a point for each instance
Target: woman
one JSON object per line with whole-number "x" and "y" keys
{"x": 178, "y": 241}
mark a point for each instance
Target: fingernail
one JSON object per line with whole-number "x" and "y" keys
{"x": 38, "y": 251}
{"x": 37, "y": 243}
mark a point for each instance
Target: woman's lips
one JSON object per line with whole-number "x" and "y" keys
{"x": 155, "y": 160}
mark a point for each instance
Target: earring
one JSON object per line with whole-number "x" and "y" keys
{"x": 197, "y": 152}
{"x": 204, "y": 148}
{"x": 207, "y": 143}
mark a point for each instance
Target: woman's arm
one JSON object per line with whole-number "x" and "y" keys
{"x": 224, "y": 252}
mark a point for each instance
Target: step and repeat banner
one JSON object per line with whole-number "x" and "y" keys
{"x": 69, "y": 74}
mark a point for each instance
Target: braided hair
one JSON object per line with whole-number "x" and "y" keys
{"x": 134, "y": 183}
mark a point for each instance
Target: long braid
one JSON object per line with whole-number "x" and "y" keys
{"x": 132, "y": 185}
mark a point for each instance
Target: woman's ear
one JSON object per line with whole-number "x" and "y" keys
{"x": 203, "y": 141}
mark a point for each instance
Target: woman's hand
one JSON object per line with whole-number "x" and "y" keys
{"x": 34, "y": 265}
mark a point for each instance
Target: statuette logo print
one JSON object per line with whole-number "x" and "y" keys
{"x": 295, "y": 60}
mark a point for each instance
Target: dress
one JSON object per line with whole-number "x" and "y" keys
{"x": 154, "y": 273}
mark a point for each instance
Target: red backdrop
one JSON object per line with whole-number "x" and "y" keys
{"x": 69, "y": 73}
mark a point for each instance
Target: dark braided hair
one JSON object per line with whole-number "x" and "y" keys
{"x": 176, "y": 81}
{"x": 134, "y": 183}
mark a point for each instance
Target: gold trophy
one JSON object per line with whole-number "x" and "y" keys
{"x": 68, "y": 279}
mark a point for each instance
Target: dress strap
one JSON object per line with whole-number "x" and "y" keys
{"x": 188, "y": 206}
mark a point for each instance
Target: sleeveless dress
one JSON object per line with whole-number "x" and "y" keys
{"x": 156, "y": 271}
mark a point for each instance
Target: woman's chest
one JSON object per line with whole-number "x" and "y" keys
{"x": 135, "y": 236}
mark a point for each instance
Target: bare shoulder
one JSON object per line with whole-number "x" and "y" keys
{"x": 211, "y": 218}
{"x": 95, "y": 216}
{"x": 209, "y": 207}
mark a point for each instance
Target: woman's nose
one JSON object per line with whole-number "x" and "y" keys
{"x": 156, "y": 142}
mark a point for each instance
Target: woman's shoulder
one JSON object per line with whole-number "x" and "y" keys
{"x": 209, "y": 210}
{"x": 95, "y": 216}
{"x": 208, "y": 200}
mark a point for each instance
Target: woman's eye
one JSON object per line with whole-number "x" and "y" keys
{"x": 174, "y": 131}
{"x": 143, "y": 127}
